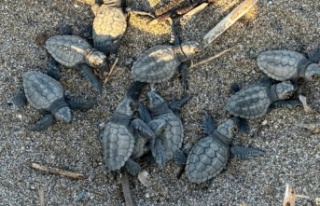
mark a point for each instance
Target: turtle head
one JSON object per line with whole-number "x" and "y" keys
{"x": 155, "y": 98}
{"x": 226, "y": 130}
{"x": 312, "y": 72}
{"x": 189, "y": 49}
{"x": 126, "y": 107}
{"x": 64, "y": 114}
{"x": 96, "y": 59}
{"x": 284, "y": 90}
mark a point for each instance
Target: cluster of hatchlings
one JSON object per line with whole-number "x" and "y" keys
{"x": 158, "y": 129}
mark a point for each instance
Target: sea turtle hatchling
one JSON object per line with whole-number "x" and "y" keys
{"x": 253, "y": 102}
{"x": 73, "y": 51}
{"x": 209, "y": 156}
{"x": 119, "y": 134}
{"x": 167, "y": 126}
{"x": 47, "y": 95}
{"x": 284, "y": 65}
{"x": 160, "y": 63}
{"x": 109, "y": 25}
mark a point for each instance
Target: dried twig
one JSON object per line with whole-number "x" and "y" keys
{"x": 111, "y": 70}
{"x": 71, "y": 175}
{"x": 211, "y": 58}
{"x": 126, "y": 189}
{"x": 229, "y": 20}
{"x": 306, "y": 107}
{"x": 41, "y": 196}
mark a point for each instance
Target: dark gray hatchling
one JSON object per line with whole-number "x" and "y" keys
{"x": 109, "y": 25}
{"x": 73, "y": 51}
{"x": 209, "y": 156}
{"x": 168, "y": 128}
{"x": 160, "y": 63}
{"x": 47, "y": 95}
{"x": 120, "y": 133}
{"x": 254, "y": 102}
{"x": 284, "y": 65}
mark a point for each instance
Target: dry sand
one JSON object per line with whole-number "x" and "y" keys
{"x": 291, "y": 152}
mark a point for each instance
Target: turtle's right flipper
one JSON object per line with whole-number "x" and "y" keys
{"x": 87, "y": 73}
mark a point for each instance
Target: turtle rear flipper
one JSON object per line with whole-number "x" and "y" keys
{"x": 159, "y": 153}
{"x": 245, "y": 152}
{"x": 132, "y": 167}
{"x": 314, "y": 54}
{"x": 179, "y": 158}
{"x": 20, "y": 99}
{"x": 42, "y": 123}
{"x": 86, "y": 72}
{"x": 80, "y": 104}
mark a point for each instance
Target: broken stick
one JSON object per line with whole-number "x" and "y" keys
{"x": 126, "y": 189}
{"x": 56, "y": 171}
{"x": 229, "y": 20}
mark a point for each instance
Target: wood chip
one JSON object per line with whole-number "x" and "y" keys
{"x": 228, "y": 21}
{"x": 187, "y": 17}
{"x": 56, "y": 171}
{"x": 306, "y": 107}
{"x": 290, "y": 196}
{"x": 143, "y": 177}
{"x": 41, "y": 196}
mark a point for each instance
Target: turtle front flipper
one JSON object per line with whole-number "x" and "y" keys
{"x": 53, "y": 70}
{"x": 80, "y": 104}
{"x": 245, "y": 152}
{"x": 42, "y": 123}
{"x": 176, "y": 105}
{"x": 242, "y": 125}
{"x": 285, "y": 104}
{"x": 132, "y": 167}
{"x": 144, "y": 114}
{"x": 20, "y": 99}
{"x": 208, "y": 126}
{"x": 142, "y": 128}
{"x": 314, "y": 55}
{"x": 88, "y": 75}
{"x": 159, "y": 153}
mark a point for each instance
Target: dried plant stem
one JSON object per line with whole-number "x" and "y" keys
{"x": 211, "y": 58}
{"x": 111, "y": 70}
{"x": 71, "y": 175}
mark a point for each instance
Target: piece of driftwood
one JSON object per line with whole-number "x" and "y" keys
{"x": 126, "y": 189}
{"x": 229, "y": 20}
{"x": 56, "y": 171}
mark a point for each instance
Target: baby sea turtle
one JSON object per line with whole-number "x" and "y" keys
{"x": 73, "y": 51}
{"x": 253, "y": 102}
{"x": 160, "y": 63}
{"x": 284, "y": 65}
{"x": 118, "y": 137}
{"x": 167, "y": 126}
{"x": 47, "y": 95}
{"x": 109, "y": 25}
{"x": 210, "y": 155}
